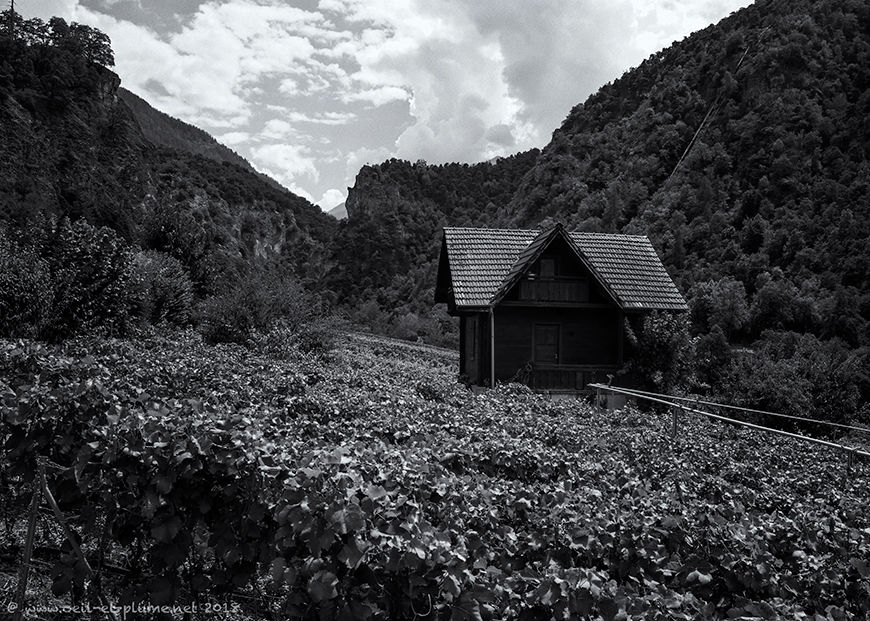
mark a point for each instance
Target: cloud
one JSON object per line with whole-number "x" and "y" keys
{"x": 501, "y": 135}
{"x": 285, "y": 162}
{"x": 233, "y": 138}
{"x": 277, "y": 129}
{"x": 436, "y": 55}
{"x": 356, "y": 81}
{"x": 377, "y": 96}
{"x": 360, "y": 157}
{"x": 331, "y": 198}
{"x": 322, "y": 118}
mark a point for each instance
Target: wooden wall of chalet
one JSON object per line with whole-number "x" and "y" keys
{"x": 474, "y": 347}
{"x": 556, "y": 337}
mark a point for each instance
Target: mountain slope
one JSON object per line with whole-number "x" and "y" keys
{"x": 164, "y": 130}
{"x": 773, "y": 103}
{"x": 70, "y": 146}
{"x": 387, "y": 249}
{"x": 770, "y": 108}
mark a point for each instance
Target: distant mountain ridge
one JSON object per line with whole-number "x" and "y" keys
{"x": 339, "y": 212}
{"x": 167, "y": 131}
{"x": 164, "y": 130}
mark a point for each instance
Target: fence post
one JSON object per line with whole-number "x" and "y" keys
{"x": 674, "y": 428}
{"x": 597, "y": 399}
{"x": 850, "y": 455}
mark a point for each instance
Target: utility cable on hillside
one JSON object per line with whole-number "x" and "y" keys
{"x": 12, "y": 19}
{"x": 713, "y": 108}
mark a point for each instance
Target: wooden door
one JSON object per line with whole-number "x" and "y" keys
{"x": 546, "y": 343}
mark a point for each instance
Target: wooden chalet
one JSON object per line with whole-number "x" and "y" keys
{"x": 548, "y": 307}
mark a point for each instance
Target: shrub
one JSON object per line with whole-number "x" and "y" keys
{"x": 264, "y": 301}
{"x": 225, "y": 319}
{"x": 800, "y": 375}
{"x": 166, "y": 292}
{"x": 91, "y": 279}
{"x": 172, "y": 229}
{"x": 663, "y": 351}
{"x": 778, "y": 305}
{"x": 25, "y": 288}
{"x": 719, "y": 303}
{"x": 316, "y": 335}
{"x": 712, "y": 357}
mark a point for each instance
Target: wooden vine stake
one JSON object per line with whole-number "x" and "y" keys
{"x": 24, "y": 569}
{"x": 674, "y": 427}
{"x": 61, "y": 520}
{"x": 850, "y": 456}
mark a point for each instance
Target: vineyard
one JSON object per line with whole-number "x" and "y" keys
{"x": 366, "y": 483}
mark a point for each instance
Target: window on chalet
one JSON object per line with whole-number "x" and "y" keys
{"x": 548, "y": 268}
{"x": 544, "y": 267}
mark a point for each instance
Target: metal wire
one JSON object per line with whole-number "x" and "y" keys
{"x": 742, "y": 409}
{"x": 797, "y": 436}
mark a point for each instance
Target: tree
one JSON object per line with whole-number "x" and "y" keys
{"x": 719, "y": 303}
{"x": 663, "y": 351}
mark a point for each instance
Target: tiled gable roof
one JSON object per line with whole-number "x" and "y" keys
{"x": 481, "y": 261}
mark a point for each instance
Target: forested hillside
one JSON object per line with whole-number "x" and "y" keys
{"x": 87, "y": 199}
{"x": 385, "y": 255}
{"x": 773, "y": 192}
{"x": 163, "y": 130}
{"x": 742, "y": 151}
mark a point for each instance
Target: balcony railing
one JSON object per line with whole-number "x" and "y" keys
{"x": 567, "y": 376}
{"x": 554, "y": 290}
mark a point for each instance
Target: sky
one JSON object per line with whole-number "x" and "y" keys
{"x": 309, "y": 91}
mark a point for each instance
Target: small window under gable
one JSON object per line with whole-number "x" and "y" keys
{"x": 547, "y": 267}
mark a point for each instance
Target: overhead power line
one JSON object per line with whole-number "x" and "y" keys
{"x": 713, "y": 108}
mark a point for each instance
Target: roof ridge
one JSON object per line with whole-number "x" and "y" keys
{"x": 537, "y": 231}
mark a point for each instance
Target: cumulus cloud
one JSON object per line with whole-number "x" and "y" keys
{"x": 233, "y": 138}
{"x": 322, "y": 118}
{"x": 454, "y": 81}
{"x": 501, "y": 135}
{"x": 360, "y": 157}
{"x": 331, "y": 198}
{"x": 277, "y": 129}
{"x": 377, "y": 96}
{"x": 285, "y": 162}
